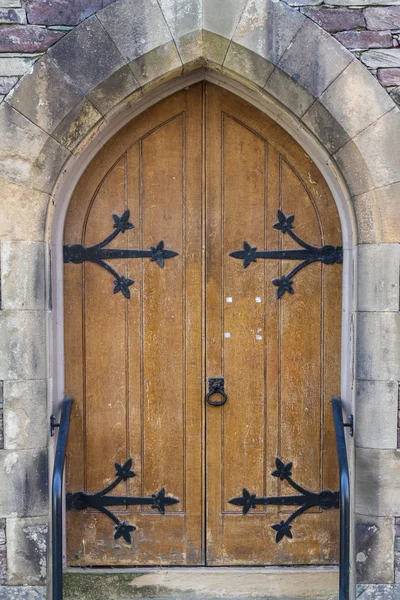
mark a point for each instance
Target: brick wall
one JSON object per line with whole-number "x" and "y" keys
{"x": 29, "y": 27}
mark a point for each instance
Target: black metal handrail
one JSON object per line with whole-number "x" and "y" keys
{"x": 57, "y": 500}
{"x": 344, "y": 558}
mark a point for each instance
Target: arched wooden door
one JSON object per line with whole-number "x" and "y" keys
{"x": 202, "y": 243}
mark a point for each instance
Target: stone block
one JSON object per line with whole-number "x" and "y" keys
{"x": 377, "y": 407}
{"x": 215, "y": 48}
{"x": 23, "y": 483}
{"x": 378, "y": 277}
{"x": 135, "y": 32}
{"x": 327, "y": 129}
{"x": 20, "y": 143}
{"x": 378, "y": 592}
{"x": 15, "y": 16}
{"x": 374, "y": 539}
{"x": 395, "y": 95}
{"x": 16, "y": 65}
{"x": 29, "y": 38}
{"x": 3, "y": 565}
{"x": 378, "y": 346}
{"x": 183, "y": 18}
{"x": 354, "y": 169}
{"x": 385, "y": 17}
{"x": 48, "y": 165}
{"x": 388, "y": 77}
{"x": 17, "y": 592}
{"x": 38, "y": 97}
{"x": 26, "y": 551}
{"x": 375, "y": 59}
{"x": 23, "y": 278}
{"x": 361, "y": 40}
{"x": 247, "y": 64}
{"x": 11, "y": 3}
{"x": 336, "y": 19}
{"x": 157, "y": 65}
{"x": 377, "y": 215}
{"x": 62, "y": 12}
{"x": 78, "y": 55}
{"x": 314, "y": 59}
{"x": 291, "y": 94}
{"x": 25, "y": 415}
{"x": 77, "y": 124}
{"x": 377, "y": 482}
{"x": 267, "y": 28}
{"x": 378, "y": 146}
{"x": 23, "y": 212}
{"x": 113, "y": 90}
{"x": 22, "y": 345}
{"x": 1, "y": 417}
{"x": 7, "y": 83}
{"x": 223, "y": 16}
{"x": 305, "y": 2}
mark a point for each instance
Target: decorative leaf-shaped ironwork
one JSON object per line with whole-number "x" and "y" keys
{"x": 326, "y": 254}
{"x": 99, "y": 501}
{"x": 99, "y": 254}
{"x": 325, "y": 500}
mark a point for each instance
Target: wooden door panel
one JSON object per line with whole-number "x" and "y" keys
{"x": 203, "y": 172}
{"x": 136, "y": 394}
{"x": 272, "y": 352}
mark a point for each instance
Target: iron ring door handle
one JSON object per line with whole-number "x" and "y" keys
{"x": 216, "y": 386}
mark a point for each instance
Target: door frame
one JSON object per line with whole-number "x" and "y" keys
{"x": 76, "y": 166}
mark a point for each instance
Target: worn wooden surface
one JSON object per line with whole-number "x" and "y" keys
{"x": 203, "y": 171}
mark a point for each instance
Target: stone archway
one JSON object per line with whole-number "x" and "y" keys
{"x": 101, "y": 70}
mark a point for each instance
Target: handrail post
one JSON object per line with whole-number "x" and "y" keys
{"x": 344, "y": 558}
{"x": 57, "y": 501}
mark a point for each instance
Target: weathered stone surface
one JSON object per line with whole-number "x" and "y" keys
{"x": 215, "y": 48}
{"x": 395, "y": 95}
{"x": 378, "y": 346}
{"x": 135, "y": 32}
{"x": 11, "y": 3}
{"x": 378, "y": 146}
{"x": 20, "y": 143}
{"x": 79, "y": 54}
{"x": 387, "y": 17}
{"x": 305, "y": 2}
{"x": 23, "y": 275}
{"x": 183, "y": 18}
{"x": 376, "y": 422}
{"x": 327, "y": 129}
{"x": 61, "y": 12}
{"x": 267, "y": 28}
{"x": 378, "y": 592}
{"x": 222, "y": 17}
{"x": 25, "y": 415}
{"x": 29, "y": 38}
{"x": 22, "y": 345}
{"x": 16, "y": 65}
{"x": 156, "y": 64}
{"x": 77, "y": 124}
{"x": 336, "y": 19}
{"x": 38, "y": 96}
{"x": 245, "y": 63}
{"x": 113, "y": 90}
{"x": 388, "y": 77}
{"x": 26, "y": 551}
{"x": 377, "y": 484}
{"x": 377, "y": 215}
{"x": 347, "y": 101}
{"x": 374, "y": 539}
{"x": 314, "y": 59}
{"x": 48, "y": 165}
{"x": 7, "y": 83}
{"x": 374, "y": 59}
{"x": 354, "y": 169}
{"x": 23, "y": 212}
{"x": 23, "y": 483}
{"x": 359, "y": 40}
{"x": 23, "y": 592}
{"x": 289, "y": 92}
{"x": 15, "y": 16}
{"x": 3, "y": 556}
{"x": 378, "y": 277}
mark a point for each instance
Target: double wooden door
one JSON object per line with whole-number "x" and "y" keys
{"x": 156, "y": 305}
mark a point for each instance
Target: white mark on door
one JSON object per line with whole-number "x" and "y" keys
{"x": 227, "y": 334}
{"x": 258, "y": 299}
{"x": 258, "y": 337}
{"x": 229, "y": 299}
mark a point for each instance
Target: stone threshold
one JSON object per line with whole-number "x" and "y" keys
{"x": 202, "y": 583}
